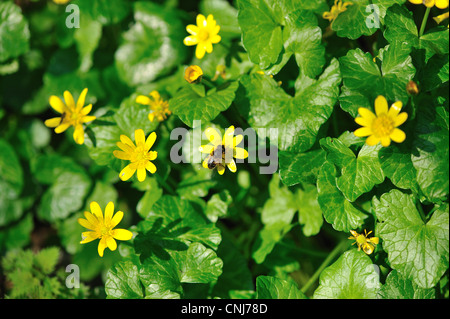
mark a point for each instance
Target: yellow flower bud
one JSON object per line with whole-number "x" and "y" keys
{"x": 193, "y": 74}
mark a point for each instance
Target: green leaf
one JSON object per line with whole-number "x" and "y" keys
{"x": 418, "y": 250}
{"x": 189, "y": 106}
{"x": 397, "y": 165}
{"x": 309, "y": 212}
{"x": 268, "y": 287}
{"x": 152, "y": 47}
{"x": 361, "y": 18}
{"x": 430, "y": 156}
{"x": 352, "y": 276}
{"x": 105, "y": 11}
{"x": 298, "y": 168}
{"x": 398, "y": 287}
{"x": 364, "y": 80}
{"x": 267, "y": 238}
{"x": 400, "y": 25}
{"x": 14, "y": 32}
{"x": 183, "y": 219}
{"x": 11, "y": 184}
{"x": 122, "y": 281}
{"x": 359, "y": 174}
{"x": 337, "y": 210}
{"x": 273, "y": 33}
{"x": 46, "y": 259}
{"x": 47, "y": 168}
{"x": 280, "y": 207}
{"x": 197, "y": 264}
{"x": 236, "y": 274}
{"x": 65, "y": 196}
{"x": 217, "y": 206}
{"x": 87, "y": 38}
{"x": 298, "y": 119}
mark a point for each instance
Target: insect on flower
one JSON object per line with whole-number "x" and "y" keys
{"x": 367, "y": 244}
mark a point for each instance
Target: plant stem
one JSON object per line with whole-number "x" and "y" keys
{"x": 342, "y": 245}
{"x": 424, "y": 22}
{"x": 421, "y": 212}
{"x": 165, "y": 185}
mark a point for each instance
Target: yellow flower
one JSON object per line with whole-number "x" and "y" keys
{"x": 204, "y": 35}
{"x": 139, "y": 155}
{"x": 367, "y": 244}
{"x": 159, "y": 108}
{"x": 71, "y": 115}
{"x": 101, "y": 227}
{"x": 336, "y": 9}
{"x": 441, "y": 4}
{"x": 441, "y": 18}
{"x": 61, "y": 1}
{"x": 382, "y": 126}
{"x": 193, "y": 74}
{"x": 222, "y": 150}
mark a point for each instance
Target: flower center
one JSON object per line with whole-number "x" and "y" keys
{"x": 104, "y": 230}
{"x": 361, "y": 239}
{"x": 382, "y": 125}
{"x": 203, "y": 35}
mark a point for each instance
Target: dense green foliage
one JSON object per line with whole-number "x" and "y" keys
{"x": 198, "y": 234}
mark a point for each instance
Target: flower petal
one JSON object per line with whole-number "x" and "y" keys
{"x": 366, "y": 113}
{"x": 398, "y": 135}
{"x": 126, "y": 140}
{"x": 221, "y": 169}
{"x": 363, "y": 131}
{"x": 109, "y": 211}
{"x": 122, "y": 155}
{"x": 78, "y": 134}
{"x": 199, "y": 51}
{"x": 213, "y": 136}
{"x": 192, "y": 29}
{"x": 232, "y": 166}
{"x": 62, "y": 127}
{"x": 89, "y": 118}
{"x": 69, "y": 100}
{"x": 150, "y": 141}
{"x": 96, "y": 210}
{"x": 150, "y": 167}
{"x": 91, "y": 218}
{"x": 240, "y": 153}
{"x": 101, "y": 246}
{"x": 395, "y": 109}
{"x": 53, "y": 122}
{"x": 206, "y": 149}
{"x": 127, "y": 172}
{"x": 385, "y": 141}
{"x": 142, "y": 99}
{"x": 400, "y": 119}
{"x": 121, "y": 234}
{"x": 141, "y": 174}
{"x": 88, "y": 236}
{"x": 139, "y": 137}
{"x": 190, "y": 40}
{"x": 116, "y": 219}
{"x": 81, "y": 100}
{"x": 372, "y": 140}
{"x": 57, "y": 104}
{"x": 201, "y": 20}
{"x": 205, "y": 162}
{"x": 125, "y": 147}
{"x": 86, "y": 110}
{"x": 381, "y": 105}
{"x": 85, "y": 223}
{"x": 152, "y": 155}
{"x": 111, "y": 243}
{"x": 363, "y": 121}
{"x": 442, "y": 4}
